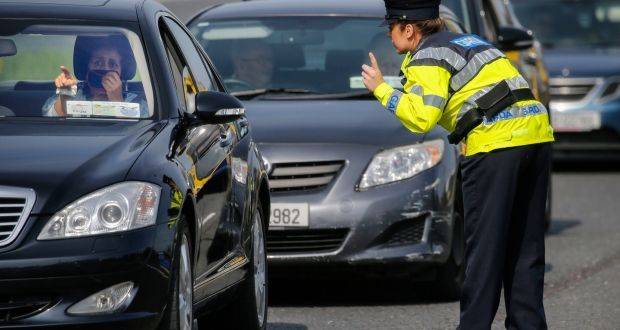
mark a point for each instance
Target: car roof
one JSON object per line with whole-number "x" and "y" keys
{"x": 276, "y": 8}
{"x": 113, "y": 10}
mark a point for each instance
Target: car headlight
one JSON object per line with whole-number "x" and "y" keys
{"x": 120, "y": 207}
{"x": 402, "y": 163}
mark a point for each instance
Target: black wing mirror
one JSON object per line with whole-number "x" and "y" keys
{"x": 514, "y": 38}
{"x": 218, "y": 106}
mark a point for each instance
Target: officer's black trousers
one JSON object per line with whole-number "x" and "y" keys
{"x": 504, "y": 196}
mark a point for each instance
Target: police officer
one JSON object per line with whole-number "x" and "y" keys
{"x": 466, "y": 85}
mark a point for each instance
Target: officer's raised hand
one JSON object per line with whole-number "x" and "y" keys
{"x": 372, "y": 75}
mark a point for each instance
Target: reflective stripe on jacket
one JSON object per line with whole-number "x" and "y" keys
{"x": 445, "y": 76}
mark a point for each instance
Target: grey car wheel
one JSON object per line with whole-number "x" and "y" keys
{"x": 185, "y": 294}
{"x": 179, "y": 314}
{"x": 260, "y": 269}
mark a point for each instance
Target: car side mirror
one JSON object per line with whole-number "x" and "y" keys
{"x": 218, "y": 106}
{"x": 513, "y": 38}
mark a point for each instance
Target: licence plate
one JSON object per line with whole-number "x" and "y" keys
{"x": 289, "y": 215}
{"x": 576, "y": 121}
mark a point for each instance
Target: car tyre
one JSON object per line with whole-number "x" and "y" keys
{"x": 249, "y": 310}
{"x": 178, "y": 314}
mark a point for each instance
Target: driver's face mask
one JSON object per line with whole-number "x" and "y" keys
{"x": 95, "y": 77}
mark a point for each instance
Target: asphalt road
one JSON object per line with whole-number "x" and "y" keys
{"x": 582, "y": 284}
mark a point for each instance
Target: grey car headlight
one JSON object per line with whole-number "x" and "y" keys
{"x": 120, "y": 207}
{"x": 402, "y": 163}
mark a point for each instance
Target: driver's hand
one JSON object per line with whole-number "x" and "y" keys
{"x": 113, "y": 86}
{"x": 65, "y": 79}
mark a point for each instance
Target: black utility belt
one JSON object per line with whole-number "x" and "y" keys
{"x": 490, "y": 104}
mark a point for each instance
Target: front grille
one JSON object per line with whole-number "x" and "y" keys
{"x": 15, "y": 205}
{"x": 303, "y": 176}
{"x": 570, "y": 89}
{"x": 13, "y": 309}
{"x": 305, "y": 240}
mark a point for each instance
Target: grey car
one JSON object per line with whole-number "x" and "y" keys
{"x": 351, "y": 188}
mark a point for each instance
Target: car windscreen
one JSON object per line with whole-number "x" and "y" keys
{"x": 71, "y": 71}
{"x": 571, "y": 24}
{"x": 322, "y": 55}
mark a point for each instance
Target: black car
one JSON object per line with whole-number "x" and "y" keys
{"x": 131, "y": 192}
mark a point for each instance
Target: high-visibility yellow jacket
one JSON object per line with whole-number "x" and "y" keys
{"x": 445, "y": 76}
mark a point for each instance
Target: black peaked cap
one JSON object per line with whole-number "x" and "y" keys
{"x": 411, "y": 10}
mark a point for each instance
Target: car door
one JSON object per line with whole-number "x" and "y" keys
{"x": 207, "y": 154}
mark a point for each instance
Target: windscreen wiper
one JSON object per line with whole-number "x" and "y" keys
{"x": 264, "y": 91}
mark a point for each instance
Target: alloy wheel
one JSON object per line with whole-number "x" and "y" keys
{"x": 186, "y": 317}
{"x": 260, "y": 280}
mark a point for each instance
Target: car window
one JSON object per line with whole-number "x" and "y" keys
{"x": 178, "y": 67}
{"x": 574, "y": 24}
{"x": 192, "y": 57}
{"x": 321, "y": 54}
{"x": 104, "y": 72}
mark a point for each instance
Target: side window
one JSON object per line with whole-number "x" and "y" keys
{"x": 201, "y": 78}
{"x": 178, "y": 66}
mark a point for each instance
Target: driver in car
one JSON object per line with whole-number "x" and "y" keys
{"x": 102, "y": 66}
{"x": 253, "y": 68}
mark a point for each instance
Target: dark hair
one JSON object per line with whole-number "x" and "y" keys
{"x": 85, "y": 46}
{"x": 426, "y": 27}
